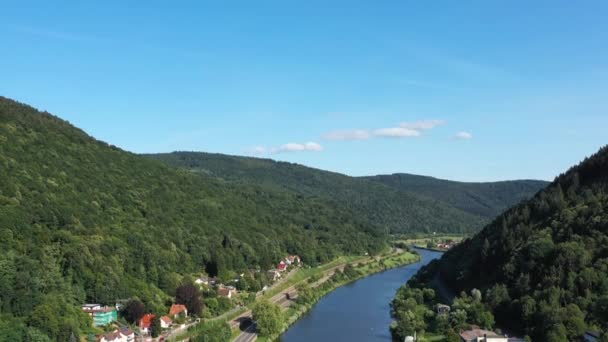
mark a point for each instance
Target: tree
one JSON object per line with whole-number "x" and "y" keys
{"x": 134, "y": 310}
{"x": 190, "y": 295}
{"x": 214, "y": 332}
{"x": 156, "y": 326}
{"x": 268, "y": 318}
{"x": 574, "y": 321}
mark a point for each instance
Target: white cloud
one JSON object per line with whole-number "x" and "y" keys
{"x": 404, "y": 130}
{"x": 422, "y": 125}
{"x": 463, "y": 136}
{"x": 355, "y": 134}
{"x": 396, "y": 132}
{"x": 296, "y": 147}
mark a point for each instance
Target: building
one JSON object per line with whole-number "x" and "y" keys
{"x": 177, "y": 309}
{"x": 282, "y": 266}
{"x": 226, "y": 292}
{"x": 205, "y": 281}
{"x": 127, "y": 334}
{"x": 274, "y": 275}
{"x": 480, "y": 335}
{"x": 113, "y": 336}
{"x": 145, "y": 323}
{"x": 102, "y": 315}
{"x": 442, "y": 309}
{"x": 165, "y": 322}
{"x": 293, "y": 260}
{"x": 121, "y": 335}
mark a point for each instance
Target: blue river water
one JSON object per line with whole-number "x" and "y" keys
{"x": 358, "y": 311}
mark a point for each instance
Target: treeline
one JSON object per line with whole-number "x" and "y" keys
{"x": 393, "y": 209}
{"x": 83, "y": 221}
{"x": 487, "y": 199}
{"x": 544, "y": 263}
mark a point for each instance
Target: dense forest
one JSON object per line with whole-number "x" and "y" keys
{"x": 542, "y": 266}
{"x": 396, "y": 208}
{"x": 83, "y": 221}
{"x": 487, "y": 199}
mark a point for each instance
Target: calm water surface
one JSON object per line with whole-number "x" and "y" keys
{"x": 356, "y": 312}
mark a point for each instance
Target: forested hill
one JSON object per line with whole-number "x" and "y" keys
{"x": 83, "y": 221}
{"x": 484, "y": 199}
{"x": 393, "y": 209}
{"x": 543, "y": 265}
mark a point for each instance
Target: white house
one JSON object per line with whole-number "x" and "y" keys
{"x": 122, "y": 335}
{"x": 480, "y": 335}
{"x": 165, "y": 322}
{"x": 274, "y": 275}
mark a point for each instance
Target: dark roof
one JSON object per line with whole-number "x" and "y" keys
{"x": 475, "y": 333}
{"x": 126, "y": 331}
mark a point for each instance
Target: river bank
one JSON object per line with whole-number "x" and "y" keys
{"x": 350, "y": 273}
{"x": 358, "y": 311}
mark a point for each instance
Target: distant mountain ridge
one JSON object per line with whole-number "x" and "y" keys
{"x": 384, "y": 201}
{"x": 486, "y": 199}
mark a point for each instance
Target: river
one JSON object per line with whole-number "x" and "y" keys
{"x": 358, "y": 311}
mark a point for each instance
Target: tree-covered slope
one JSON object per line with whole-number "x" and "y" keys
{"x": 543, "y": 265}
{"x": 393, "y": 209}
{"x": 483, "y": 199}
{"x": 83, "y": 221}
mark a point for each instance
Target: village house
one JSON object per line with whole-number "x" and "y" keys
{"x": 113, "y": 336}
{"x": 282, "y": 266}
{"x": 145, "y": 323}
{"x": 127, "y": 334}
{"x": 165, "y": 322}
{"x": 208, "y": 281}
{"x": 480, "y": 335}
{"x": 121, "y": 335}
{"x": 177, "y": 309}
{"x": 102, "y": 315}
{"x": 274, "y": 275}
{"x": 292, "y": 260}
{"x": 227, "y": 291}
{"x": 442, "y": 309}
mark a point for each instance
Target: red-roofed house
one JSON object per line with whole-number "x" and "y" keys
{"x": 145, "y": 323}
{"x": 282, "y": 266}
{"x": 177, "y": 309}
{"x": 165, "y": 322}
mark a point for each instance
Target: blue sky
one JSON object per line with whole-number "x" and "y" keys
{"x": 476, "y": 90}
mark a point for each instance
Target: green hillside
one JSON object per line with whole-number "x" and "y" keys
{"x": 543, "y": 265}
{"x": 484, "y": 199}
{"x": 395, "y": 210}
{"x": 83, "y": 221}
